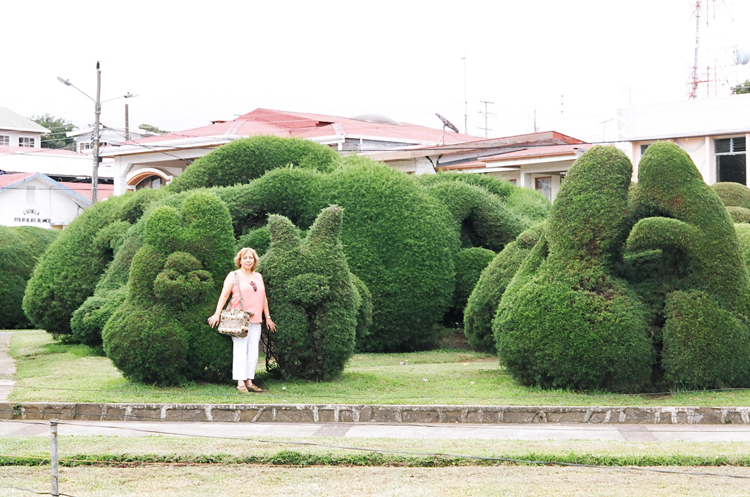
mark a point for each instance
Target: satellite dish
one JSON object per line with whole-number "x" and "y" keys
{"x": 447, "y": 123}
{"x": 741, "y": 55}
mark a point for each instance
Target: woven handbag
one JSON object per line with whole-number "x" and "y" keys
{"x": 234, "y": 322}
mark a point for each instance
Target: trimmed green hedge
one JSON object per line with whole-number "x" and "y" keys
{"x": 485, "y": 297}
{"x": 566, "y": 320}
{"x": 739, "y": 214}
{"x": 313, "y": 298}
{"x": 68, "y": 271}
{"x": 480, "y": 217}
{"x": 20, "y": 247}
{"x": 398, "y": 240}
{"x": 743, "y": 237}
{"x": 528, "y": 204}
{"x": 470, "y": 263}
{"x": 246, "y": 159}
{"x": 706, "y": 340}
{"x": 732, "y": 194}
{"x": 159, "y": 334}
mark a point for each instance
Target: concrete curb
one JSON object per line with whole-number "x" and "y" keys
{"x": 344, "y": 413}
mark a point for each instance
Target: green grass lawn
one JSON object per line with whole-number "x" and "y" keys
{"x": 55, "y": 372}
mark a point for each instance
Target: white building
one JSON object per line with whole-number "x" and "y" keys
{"x": 108, "y": 137}
{"x": 34, "y": 199}
{"x": 17, "y": 131}
{"x": 154, "y": 161}
{"x": 538, "y": 161}
{"x": 714, "y": 132}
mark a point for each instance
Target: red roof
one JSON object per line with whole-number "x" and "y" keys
{"x": 310, "y": 126}
{"x": 10, "y": 179}
{"x": 84, "y": 189}
{"x": 10, "y": 150}
{"x": 537, "y": 152}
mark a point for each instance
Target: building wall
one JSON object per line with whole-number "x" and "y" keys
{"x": 36, "y": 203}
{"x": 700, "y": 149}
{"x": 170, "y": 164}
{"x": 15, "y": 135}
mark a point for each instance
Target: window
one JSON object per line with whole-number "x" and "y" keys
{"x": 513, "y": 181}
{"x": 730, "y": 160}
{"x": 543, "y": 185}
{"x": 25, "y": 142}
{"x": 83, "y": 146}
{"x": 643, "y": 148}
{"x": 4, "y": 140}
{"x": 153, "y": 182}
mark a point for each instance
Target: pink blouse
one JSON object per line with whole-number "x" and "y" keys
{"x": 254, "y": 300}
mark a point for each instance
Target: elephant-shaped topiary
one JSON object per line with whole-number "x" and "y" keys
{"x": 312, "y": 296}
{"x": 159, "y": 334}
{"x": 566, "y": 319}
{"x": 705, "y": 334}
{"x": 621, "y": 285}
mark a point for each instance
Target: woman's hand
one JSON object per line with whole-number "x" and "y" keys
{"x": 214, "y": 320}
{"x": 270, "y": 324}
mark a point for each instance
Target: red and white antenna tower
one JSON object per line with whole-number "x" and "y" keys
{"x": 713, "y": 79}
{"x": 694, "y": 76}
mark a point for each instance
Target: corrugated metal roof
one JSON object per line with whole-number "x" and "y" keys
{"x": 16, "y": 122}
{"x": 311, "y": 127}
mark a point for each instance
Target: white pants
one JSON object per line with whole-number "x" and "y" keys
{"x": 245, "y": 353}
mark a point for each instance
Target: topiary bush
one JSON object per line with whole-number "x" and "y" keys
{"x": 566, "y": 320}
{"x": 528, "y": 205}
{"x": 480, "y": 218}
{"x": 246, "y": 159}
{"x": 159, "y": 334}
{"x": 470, "y": 263}
{"x": 706, "y": 341}
{"x": 259, "y": 239}
{"x": 68, "y": 271}
{"x": 486, "y": 294}
{"x": 732, "y": 194}
{"x": 398, "y": 240}
{"x": 20, "y": 248}
{"x": 743, "y": 237}
{"x": 739, "y": 214}
{"x": 88, "y": 320}
{"x": 312, "y": 297}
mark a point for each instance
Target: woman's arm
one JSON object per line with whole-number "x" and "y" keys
{"x": 225, "y": 292}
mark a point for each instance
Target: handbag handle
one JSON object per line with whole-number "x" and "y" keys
{"x": 239, "y": 290}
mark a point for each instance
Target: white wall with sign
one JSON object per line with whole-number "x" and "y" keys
{"x": 36, "y": 200}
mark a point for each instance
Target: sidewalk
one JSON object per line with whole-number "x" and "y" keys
{"x": 529, "y": 432}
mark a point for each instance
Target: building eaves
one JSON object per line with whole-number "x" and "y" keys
{"x": 13, "y": 121}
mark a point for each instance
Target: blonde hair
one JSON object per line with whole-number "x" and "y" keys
{"x": 242, "y": 253}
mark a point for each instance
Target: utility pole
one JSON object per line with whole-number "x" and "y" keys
{"x": 127, "y": 124}
{"x": 95, "y": 144}
{"x": 466, "y": 102}
{"x": 486, "y": 114}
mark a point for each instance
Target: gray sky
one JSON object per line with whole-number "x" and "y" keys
{"x": 575, "y": 62}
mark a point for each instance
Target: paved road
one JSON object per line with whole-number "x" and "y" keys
{"x": 546, "y": 431}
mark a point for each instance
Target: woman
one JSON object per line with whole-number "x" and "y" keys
{"x": 253, "y": 291}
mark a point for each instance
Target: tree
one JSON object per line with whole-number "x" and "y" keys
{"x": 58, "y": 129}
{"x": 742, "y": 88}
{"x": 153, "y": 129}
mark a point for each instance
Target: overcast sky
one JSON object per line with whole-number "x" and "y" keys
{"x": 572, "y": 63}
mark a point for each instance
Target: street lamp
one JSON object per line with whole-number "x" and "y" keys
{"x": 97, "y": 113}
